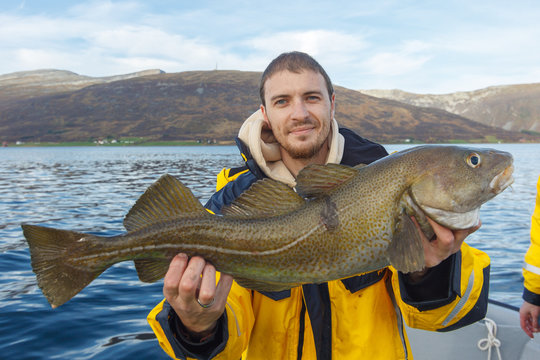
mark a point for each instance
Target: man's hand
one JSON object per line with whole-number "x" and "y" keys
{"x": 190, "y": 288}
{"x": 445, "y": 243}
{"x": 528, "y": 318}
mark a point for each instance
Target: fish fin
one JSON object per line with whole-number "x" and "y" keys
{"x": 151, "y": 270}
{"x": 406, "y": 251}
{"x": 263, "y": 286}
{"x": 51, "y": 251}
{"x": 318, "y": 180}
{"x": 414, "y": 210}
{"x": 167, "y": 198}
{"x": 265, "y": 197}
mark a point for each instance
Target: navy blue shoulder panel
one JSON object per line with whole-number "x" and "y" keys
{"x": 229, "y": 192}
{"x": 359, "y": 150}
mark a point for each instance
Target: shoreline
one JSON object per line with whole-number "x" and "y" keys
{"x": 117, "y": 144}
{"x": 230, "y": 143}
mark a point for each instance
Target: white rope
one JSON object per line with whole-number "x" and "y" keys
{"x": 491, "y": 340}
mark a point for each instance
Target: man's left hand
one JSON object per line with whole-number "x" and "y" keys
{"x": 445, "y": 243}
{"x": 529, "y": 316}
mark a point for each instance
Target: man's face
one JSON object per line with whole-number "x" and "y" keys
{"x": 299, "y": 111}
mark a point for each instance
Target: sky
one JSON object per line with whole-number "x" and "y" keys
{"x": 427, "y": 47}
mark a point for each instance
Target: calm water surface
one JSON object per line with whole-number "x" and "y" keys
{"x": 91, "y": 189}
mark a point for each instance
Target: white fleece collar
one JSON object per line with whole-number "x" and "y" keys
{"x": 265, "y": 149}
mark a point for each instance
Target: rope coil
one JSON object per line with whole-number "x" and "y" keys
{"x": 491, "y": 340}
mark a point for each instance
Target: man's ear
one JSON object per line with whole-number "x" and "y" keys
{"x": 265, "y": 116}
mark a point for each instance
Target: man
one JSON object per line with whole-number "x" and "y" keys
{"x": 357, "y": 317}
{"x": 529, "y": 314}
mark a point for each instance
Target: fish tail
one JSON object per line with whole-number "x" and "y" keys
{"x": 51, "y": 251}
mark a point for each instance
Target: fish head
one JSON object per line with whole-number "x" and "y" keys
{"x": 455, "y": 181}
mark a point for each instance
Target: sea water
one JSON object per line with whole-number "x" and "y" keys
{"x": 90, "y": 189}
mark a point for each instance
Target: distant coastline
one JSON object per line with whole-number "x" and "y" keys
{"x": 212, "y": 143}
{"x": 119, "y": 143}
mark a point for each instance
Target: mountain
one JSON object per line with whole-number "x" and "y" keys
{"x": 62, "y": 106}
{"x": 26, "y": 84}
{"x": 511, "y": 107}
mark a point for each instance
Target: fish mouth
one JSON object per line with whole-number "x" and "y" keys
{"x": 502, "y": 180}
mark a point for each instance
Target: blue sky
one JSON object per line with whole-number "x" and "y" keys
{"x": 418, "y": 46}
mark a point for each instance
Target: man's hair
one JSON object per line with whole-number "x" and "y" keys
{"x": 295, "y": 62}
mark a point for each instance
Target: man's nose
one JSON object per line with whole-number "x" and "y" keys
{"x": 299, "y": 110}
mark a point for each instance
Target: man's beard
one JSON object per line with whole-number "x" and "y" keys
{"x": 307, "y": 151}
{"x": 303, "y": 152}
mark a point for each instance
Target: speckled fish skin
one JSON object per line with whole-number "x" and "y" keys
{"x": 353, "y": 221}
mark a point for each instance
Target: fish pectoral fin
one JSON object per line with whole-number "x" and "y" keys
{"x": 151, "y": 270}
{"x": 263, "y": 286}
{"x": 406, "y": 251}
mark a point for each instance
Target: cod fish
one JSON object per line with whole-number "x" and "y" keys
{"x": 340, "y": 221}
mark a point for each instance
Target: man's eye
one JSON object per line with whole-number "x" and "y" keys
{"x": 281, "y": 102}
{"x": 313, "y": 98}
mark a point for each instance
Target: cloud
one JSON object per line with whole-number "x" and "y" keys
{"x": 334, "y": 50}
{"x": 316, "y": 42}
{"x": 409, "y": 57}
{"x": 391, "y": 45}
{"x": 104, "y": 38}
{"x": 95, "y": 42}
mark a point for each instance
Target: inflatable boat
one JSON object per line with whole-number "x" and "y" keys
{"x": 497, "y": 337}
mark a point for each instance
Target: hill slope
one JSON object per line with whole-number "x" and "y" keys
{"x": 28, "y": 84}
{"x": 205, "y": 104}
{"x": 511, "y": 107}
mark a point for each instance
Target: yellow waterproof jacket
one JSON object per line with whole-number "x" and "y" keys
{"x": 531, "y": 268}
{"x": 349, "y": 320}
{"x": 361, "y": 317}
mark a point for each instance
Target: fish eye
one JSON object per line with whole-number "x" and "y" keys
{"x": 473, "y": 160}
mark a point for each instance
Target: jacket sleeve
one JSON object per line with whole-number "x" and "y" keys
{"x": 451, "y": 295}
{"x": 531, "y": 268}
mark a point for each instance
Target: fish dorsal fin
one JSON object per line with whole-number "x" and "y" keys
{"x": 167, "y": 198}
{"x": 263, "y": 286}
{"x": 318, "y": 180}
{"x": 406, "y": 251}
{"x": 265, "y": 197}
